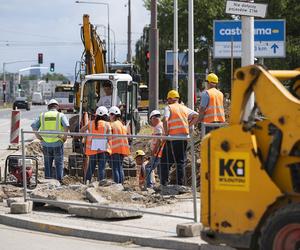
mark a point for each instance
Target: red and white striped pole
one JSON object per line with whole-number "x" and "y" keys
{"x": 15, "y": 127}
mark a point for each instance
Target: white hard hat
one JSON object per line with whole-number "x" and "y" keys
{"x": 101, "y": 111}
{"x": 154, "y": 112}
{"x": 114, "y": 110}
{"x": 52, "y": 101}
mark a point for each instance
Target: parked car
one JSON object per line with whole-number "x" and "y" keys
{"x": 21, "y": 103}
{"x": 37, "y": 99}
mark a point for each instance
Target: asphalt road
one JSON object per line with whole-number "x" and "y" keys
{"x": 21, "y": 239}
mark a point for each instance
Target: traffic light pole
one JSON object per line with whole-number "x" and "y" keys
{"x": 153, "y": 69}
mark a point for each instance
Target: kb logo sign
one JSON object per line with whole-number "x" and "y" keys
{"x": 232, "y": 171}
{"x": 232, "y": 167}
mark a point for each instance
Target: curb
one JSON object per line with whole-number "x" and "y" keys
{"x": 98, "y": 235}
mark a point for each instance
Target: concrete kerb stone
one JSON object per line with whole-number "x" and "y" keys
{"x": 24, "y": 207}
{"x": 96, "y": 235}
{"x": 188, "y": 229}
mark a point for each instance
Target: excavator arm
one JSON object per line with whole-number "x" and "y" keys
{"x": 271, "y": 98}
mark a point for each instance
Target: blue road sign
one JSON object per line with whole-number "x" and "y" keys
{"x": 269, "y": 38}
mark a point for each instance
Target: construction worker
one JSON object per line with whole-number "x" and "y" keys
{"x": 177, "y": 120}
{"x": 141, "y": 167}
{"x": 53, "y": 145}
{"x": 119, "y": 145}
{"x": 98, "y": 148}
{"x": 211, "y": 107}
{"x": 106, "y": 100}
{"x": 156, "y": 145}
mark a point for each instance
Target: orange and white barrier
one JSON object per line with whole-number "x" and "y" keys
{"x": 15, "y": 127}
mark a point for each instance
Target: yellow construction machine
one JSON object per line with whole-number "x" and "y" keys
{"x": 250, "y": 171}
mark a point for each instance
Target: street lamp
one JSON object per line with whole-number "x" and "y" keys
{"x": 114, "y": 34}
{"x": 108, "y": 36}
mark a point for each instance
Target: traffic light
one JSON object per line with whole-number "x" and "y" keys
{"x": 52, "y": 67}
{"x": 40, "y": 58}
{"x": 147, "y": 58}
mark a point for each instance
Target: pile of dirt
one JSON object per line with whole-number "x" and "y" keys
{"x": 10, "y": 191}
{"x": 34, "y": 148}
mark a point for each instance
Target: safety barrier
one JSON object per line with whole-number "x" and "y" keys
{"x": 132, "y": 172}
{"x": 15, "y": 128}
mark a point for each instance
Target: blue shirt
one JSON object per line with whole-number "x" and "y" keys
{"x": 37, "y": 124}
{"x": 204, "y": 99}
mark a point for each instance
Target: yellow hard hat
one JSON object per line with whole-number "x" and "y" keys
{"x": 173, "y": 94}
{"x": 139, "y": 153}
{"x": 213, "y": 78}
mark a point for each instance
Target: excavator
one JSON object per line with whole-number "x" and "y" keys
{"x": 90, "y": 77}
{"x": 250, "y": 169}
{"x": 92, "y": 73}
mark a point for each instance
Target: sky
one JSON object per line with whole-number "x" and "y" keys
{"x": 52, "y": 27}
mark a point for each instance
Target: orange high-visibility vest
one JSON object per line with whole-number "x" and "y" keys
{"x": 215, "y": 109}
{"x": 103, "y": 128}
{"x": 178, "y": 122}
{"x": 119, "y": 145}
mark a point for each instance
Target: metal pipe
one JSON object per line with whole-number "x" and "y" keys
{"x": 191, "y": 81}
{"x": 169, "y": 138}
{"x": 194, "y": 181}
{"x": 175, "y": 47}
{"x": 24, "y": 166}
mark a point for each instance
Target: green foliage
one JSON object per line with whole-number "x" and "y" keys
{"x": 54, "y": 77}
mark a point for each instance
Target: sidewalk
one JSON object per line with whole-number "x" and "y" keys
{"x": 150, "y": 230}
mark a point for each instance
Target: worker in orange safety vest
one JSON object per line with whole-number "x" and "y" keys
{"x": 98, "y": 148}
{"x": 177, "y": 120}
{"x": 211, "y": 107}
{"x": 119, "y": 145}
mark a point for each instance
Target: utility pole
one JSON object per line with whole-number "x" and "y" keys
{"x": 153, "y": 67}
{"x": 191, "y": 73}
{"x": 248, "y": 52}
{"x": 129, "y": 33}
{"x": 175, "y": 47}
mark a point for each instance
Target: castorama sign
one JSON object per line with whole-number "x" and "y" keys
{"x": 269, "y": 38}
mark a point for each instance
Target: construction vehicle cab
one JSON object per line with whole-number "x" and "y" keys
{"x": 124, "y": 95}
{"x": 250, "y": 170}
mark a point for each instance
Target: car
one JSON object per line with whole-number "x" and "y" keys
{"x": 37, "y": 99}
{"x": 21, "y": 103}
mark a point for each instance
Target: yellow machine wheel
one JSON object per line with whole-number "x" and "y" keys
{"x": 281, "y": 230}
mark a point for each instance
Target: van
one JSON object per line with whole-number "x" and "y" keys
{"x": 37, "y": 98}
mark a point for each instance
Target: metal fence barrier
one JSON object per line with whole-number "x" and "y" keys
{"x": 190, "y": 149}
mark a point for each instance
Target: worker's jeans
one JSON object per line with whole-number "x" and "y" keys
{"x": 117, "y": 168}
{"x": 56, "y": 154}
{"x": 173, "y": 152}
{"x": 100, "y": 160}
{"x": 154, "y": 163}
